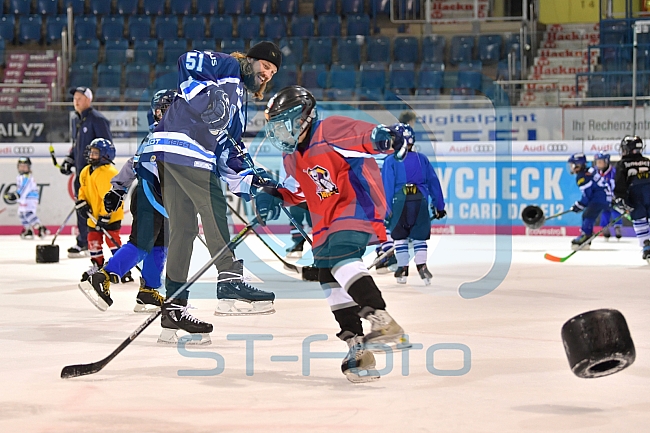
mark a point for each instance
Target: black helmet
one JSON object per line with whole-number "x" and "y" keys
{"x": 161, "y": 100}
{"x": 631, "y": 144}
{"x": 289, "y": 113}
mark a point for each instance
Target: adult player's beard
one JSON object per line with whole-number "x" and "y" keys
{"x": 248, "y": 76}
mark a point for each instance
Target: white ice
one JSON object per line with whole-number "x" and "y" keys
{"x": 518, "y": 380}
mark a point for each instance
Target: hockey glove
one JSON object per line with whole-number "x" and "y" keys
{"x": 391, "y": 137}
{"x": 113, "y": 200}
{"x": 12, "y": 196}
{"x": 622, "y": 207}
{"x": 103, "y": 221}
{"x": 577, "y": 207}
{"x": 217, "y": 115}
{"x": 82, "y": 207}
{"x": 438, "y": 214}
{"x": 66, "y": 166}
{"x": 267, "y": 206}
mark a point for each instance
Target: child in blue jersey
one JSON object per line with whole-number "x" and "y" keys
{"x": 411, "y": 187}
{"x": 594, "y": 198}
{"x": 26, "y": 196}
{"x": 608, "y": 173}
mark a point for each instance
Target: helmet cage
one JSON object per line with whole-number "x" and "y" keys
{"x": 283, "y": 130}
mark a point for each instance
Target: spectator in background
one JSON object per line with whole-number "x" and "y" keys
{"x": 87, "y": 125}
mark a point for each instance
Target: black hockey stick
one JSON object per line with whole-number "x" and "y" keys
{"x": 386, "y": 254}
{"x": 56, "y": 164}
{"x": 553, "y": 258}
{"x": 94, "y": 367}
{"x": 74, "y": 208}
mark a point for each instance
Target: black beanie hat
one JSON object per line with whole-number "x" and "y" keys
{"x": 266, "y": 51}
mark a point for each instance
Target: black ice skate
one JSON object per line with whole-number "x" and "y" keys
{"x": 232, "y": 290}
{"x": 606, "y": 234}
{"x": 424, "y": 273}
{"x": 27, "y": 234}
{"x": 387, "y": 265}
{"x": 175, "y": 316}
{"x": 41, "y": 231}
{"x": 97, "y": 289}
{"x": 127, "y": 278}
{"x": 359, "y": 364}
{"x": 148, "y": 300}
{"x": 401, "y": 274}
{"x": 384, "y": 331}
{"x": 580, "y": 243}
{"x": 646, "y": 250}
{"x": 617, "y": 231}
{"x": 296, "y": 249}
{"x": 77, "y": 252}
{"x": 92, "y": 270}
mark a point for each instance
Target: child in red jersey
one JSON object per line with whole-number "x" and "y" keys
{"x": 335, "y": 174}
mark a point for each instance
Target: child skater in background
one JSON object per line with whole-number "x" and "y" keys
{"x": 27, "y": 197}
{"x": 607, "y": 173}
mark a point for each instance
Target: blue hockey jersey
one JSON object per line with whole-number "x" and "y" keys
{"x": 593, "y": 187}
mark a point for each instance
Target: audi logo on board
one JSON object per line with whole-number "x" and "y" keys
{"x": 24, "y": 150}
{"x": 483, "y": 148}
{"x": 557, "y": 147}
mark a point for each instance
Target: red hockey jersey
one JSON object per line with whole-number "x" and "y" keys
{"x": 338, "y": 178}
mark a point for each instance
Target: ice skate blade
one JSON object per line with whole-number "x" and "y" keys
{"x": 426, "y": 281}
{"x": 388, "y": 343}
{"x": 80, "y": 255}
{"x": 575, "y": 247}
{"x": 168, "y": 336}
{"x": 89, "y": 291}
{"x": 382, "y": 271}
{"x": 232, "y": 307}
{"x": 401, "y": 280}
{"x": 356, "y": 375}
{"x": 145, "y": 308}
{"x": 294, "y": 254}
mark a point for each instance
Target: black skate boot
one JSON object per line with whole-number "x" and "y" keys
{"x": 580, "y": 243}
{"x": 296, "y": 249}
{"x": 401, "y": 274}
{"x": 77, "y": 252}
{"x": 26, "y": 234}
{"x": 384, "y": 267}
{"x": 424, "y": 273}
{"x": 41, "y": 231}
{"x": 646, "y": 250}
{"x": 606, "y": 234}
{"x": 359, "y": 364}
{"x": 148, "y": 300}
{"x": 97, "y": 288}
{"x": 92, "y": 270}
{"x": 617, "y": 231}
{"x": 127, "y": 278}
{"x": 384, "y": 331}
{"x": 232, "y": 288}
{"x": 175, "y": 316}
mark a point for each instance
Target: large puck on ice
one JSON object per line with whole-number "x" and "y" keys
{"x": 533, "y": 217}
{"x": 47, "y": 253}
{"x": 309, "y": 273}
{"x": 598, "y": 343}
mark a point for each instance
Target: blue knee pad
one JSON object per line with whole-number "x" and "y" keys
{"x": 153, "y": 266}
{"x": 125, "y": 259}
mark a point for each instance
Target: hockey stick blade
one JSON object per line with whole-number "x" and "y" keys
{"x": 556, "y": 259}
{"x": 553, "y": 258}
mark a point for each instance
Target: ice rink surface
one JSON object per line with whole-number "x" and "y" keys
{"x": 491, "y": 364}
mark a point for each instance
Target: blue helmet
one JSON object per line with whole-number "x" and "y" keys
{"x": 106, "y": 151}
{"x": 602, "y": 156}
{"x": 577, "y": 163}
{"x": 405, "y": 130}
{"x": 161, "y": 100}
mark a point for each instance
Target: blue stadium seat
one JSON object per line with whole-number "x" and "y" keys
{"x": 368, "y": 94}
{"x": 100, "y": 7}
{"x": 287, "y": 7}
{"x": 127, "y": 7}
{"x": 138, "y": 94}
{"x": 87, "y": 51}
{"x": 137, "y": 75}
{"x": 461, "y": 49}
{"x": 340, "y": 94}
{"x": 145, "y": 51}
{"x": 82, "y": 75}
{"x": 489, "y": 49}
{"x": 342, "y": 77}
{"x": 275, "y": 26}
{"x": 85, "y": 27}
{"x": 372, "y": 75}
{"x": 379, "y": 7}
{"x": 112, "y": 27}
{"x": 513, "y": 45}
{"x": 406, "y": 49}
{"x": 109, "y": 75}
{"x": 469, "y": 78}
{"x": 358, "y": 25}
{"x": 30, "y": 29}
{"x": 287, "y": 76}
{"x": 194, "y": 27}
{"x": 54, "y": 26}
{"x": 615, "y": 32}
{"x": 260, "y": 7}
{"x": 352, "y": 7}
{"x": 153, "y": 7}
{"x": 78, "y": 6}
{"x": 46, "y": 7}
{"x": 139, "y": 27}
{"x": 433, "y": 49}
{"x": 319, "y": 50}
{"x": 431, "y": 78}
{"x": 401, "y": 76}
{"x": 173, "y": 49}
{"x": 325, "y": 7}
{"x": 234, "y": 7}
{"x": 349, "y": 50}
{"x": 378, "y": 49}
{"x": 2, "y": 51}
{"x": 502, "y": 71}
{"x": 7, "y": 27}
{"x": 204, "y": 44}
{"x": 166, "y": 76}
{"x": 597, "y": 86}
{"x": 292, "y": 50}
{"x": 20, "y": 7}
{"x": 248, "y": 26}
{"x": 230, "y": 45}
{"x": 221, "y": 27}
{"x": 180, "y": 7}
{"x": 166, "y": 27}
{"x": 329, "y": 25}
{"x": 303, "y": 26}
{"x": 115, "y": 51}
{"x": 313, "y": 76}
{"x": 107, "y": 94}
{"x": 207, "y": 7}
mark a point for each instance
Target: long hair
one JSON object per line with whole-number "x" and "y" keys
{"x": 260, "y": 93}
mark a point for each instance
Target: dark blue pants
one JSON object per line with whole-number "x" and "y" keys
{"x": 589, "y": 216}
{"x": 82, "y": 237}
